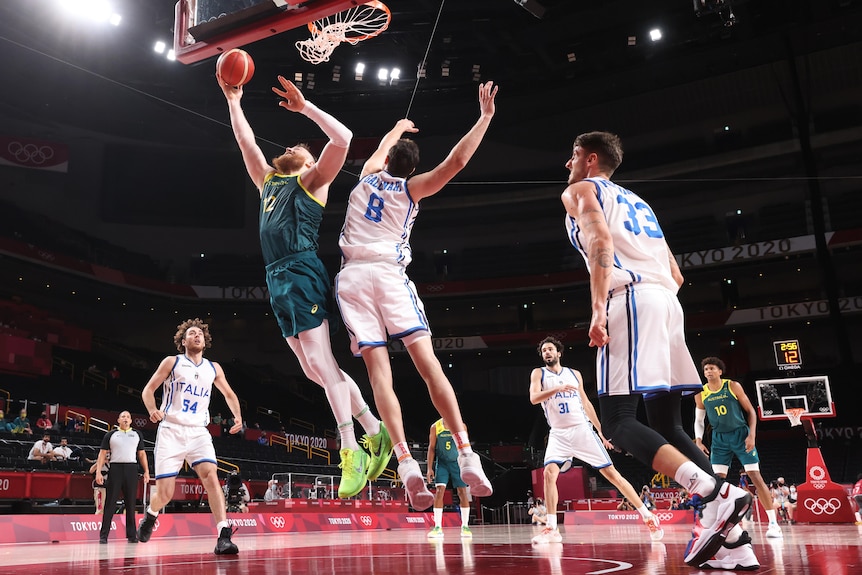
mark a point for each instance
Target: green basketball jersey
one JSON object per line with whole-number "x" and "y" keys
{"x": 445, "y": 450}
{"x": 722, "y": 408}
{"x": 289, "y": 218}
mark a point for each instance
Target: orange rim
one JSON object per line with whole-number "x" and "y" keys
{"x": 312, "y": 26}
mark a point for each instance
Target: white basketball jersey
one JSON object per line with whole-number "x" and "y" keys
{"x": 380, "y": 216}
{"x": 563, "y": 409}
{"x": 186, "y": 393}
{"x": 640, "y": 250}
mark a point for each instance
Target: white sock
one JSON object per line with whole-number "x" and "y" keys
{"x": 644, "y": 511}
{"x": 463, "y": 442}
{"x": 402, "y": 452}
{"x": 348, "y": 439}
{"x": 221, "y": 525}
{"x": 552, "y": 519}
{"x": 368, "y": 421}
{"x": 151, "y": 512}
{"x": 694, "y": 479}
{"x": 465, "y": 516}
{"x": 770, "y": 514}
{"x": 438, "y": 517}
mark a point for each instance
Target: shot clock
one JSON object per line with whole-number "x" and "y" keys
{"x": 788, "y": 356}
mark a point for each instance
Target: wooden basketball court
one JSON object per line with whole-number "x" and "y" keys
{"x": 498, "y": 549}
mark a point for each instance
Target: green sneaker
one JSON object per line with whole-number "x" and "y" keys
{"x": 354, "y": 471}
{"x": 466, "y": 533}
{"x": 380, "y": 447}
{"x": 436, "y": 533}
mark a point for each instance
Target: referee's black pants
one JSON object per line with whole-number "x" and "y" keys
{"x": 121, "y": 477}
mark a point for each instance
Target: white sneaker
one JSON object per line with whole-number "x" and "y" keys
{"x": 655, "y": 531}
{"x": 740, "y": 558}
{"x": 548, "y": 535}
{"x": 417, "y": 492}
{"x": 473, "y": 475}
{"x": 723, "y": 508}
{"x": 774, "y": 531}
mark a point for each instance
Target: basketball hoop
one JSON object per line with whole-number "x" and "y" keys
{"x": 794, "y": 414}
{"x": 353, "y": 26}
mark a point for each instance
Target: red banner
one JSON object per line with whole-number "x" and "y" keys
{"x": 34, "y": 154}
{"x": 50, "y": 528}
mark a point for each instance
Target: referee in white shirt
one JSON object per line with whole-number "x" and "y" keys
{"x": 127, "y": 449}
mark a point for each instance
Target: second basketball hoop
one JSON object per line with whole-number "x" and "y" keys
{"x": 353, "y": 26}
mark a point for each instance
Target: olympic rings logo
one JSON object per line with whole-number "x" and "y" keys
{"x": 30, "y": 153}
{"x": 664, "y": 516}
{"x": 366, "y": 520}
{"x": 817, "y": 473}
{"x": 822, "y": 505}
{"x": 277, "y": 522}
{"x": 140, "y": 422}
{"x": 434, "y": 287}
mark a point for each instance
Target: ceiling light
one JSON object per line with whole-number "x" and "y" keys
{"x": 360, "y": 68}
{"x": 633, "y": 40}
{"x": 171, "y": 55}
{"x": 655, "y": 34}
{"x": 571, "y": 57}
{"x": 382, "y": 74}
{"x": 115, "y": 19}
{"x": 395, "y": 74}
{"x": 159, "y": 47}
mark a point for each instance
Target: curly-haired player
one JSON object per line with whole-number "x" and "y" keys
{"x": 187, "y": 380}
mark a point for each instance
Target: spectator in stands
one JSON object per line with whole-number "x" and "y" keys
{"x": 675, "y": 504}
{"x": 646, "y": 497}
{"x": 42, "y": 450}
{"x": 114, "y": 373}
{"x": 781, "y": 496}
{"x": 539, "y": 513}
{"x": 4, "y": 425}
{"x": 216, "y": 419}
{"x": 94, "y": 370}
{"x": 44, "y": 422}
{"x": 530, "y": 500}
{"x": 63, "y": 452}
{"x": 21, "y": 424}
{"x": 856, "y": 495}
{"x": 262, "y": 439}
{"x": 272, "y": 491}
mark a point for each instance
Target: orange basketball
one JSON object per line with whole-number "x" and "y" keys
{"x": 235, "y": 67}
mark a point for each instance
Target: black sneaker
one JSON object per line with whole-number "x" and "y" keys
{"x": 103, "y": 540}
{"x": 145, "y": 529}
{"x": 224, "y": 546}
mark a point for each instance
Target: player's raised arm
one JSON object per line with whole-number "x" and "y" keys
{"x": 429, "y": 183}
{"x": 255, "y": 162}
{"x": 378, "y": 159}
{"x": 332, "y": 158}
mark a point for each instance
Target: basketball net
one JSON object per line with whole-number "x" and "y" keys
{"x": 353, "y": 26}
{"x": 794, "y": 414}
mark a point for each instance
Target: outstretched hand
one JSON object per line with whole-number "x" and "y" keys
{"x": 487, "y": 93}
{"x": 406, "y": 126}
{"x": 293, "y": 98}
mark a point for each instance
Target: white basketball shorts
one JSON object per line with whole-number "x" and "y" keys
{"x": 579, "y": 441}
{"x": 176, "y": 444}
{"x": 647, "y": 351}
{"x": 378, "y": 301}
